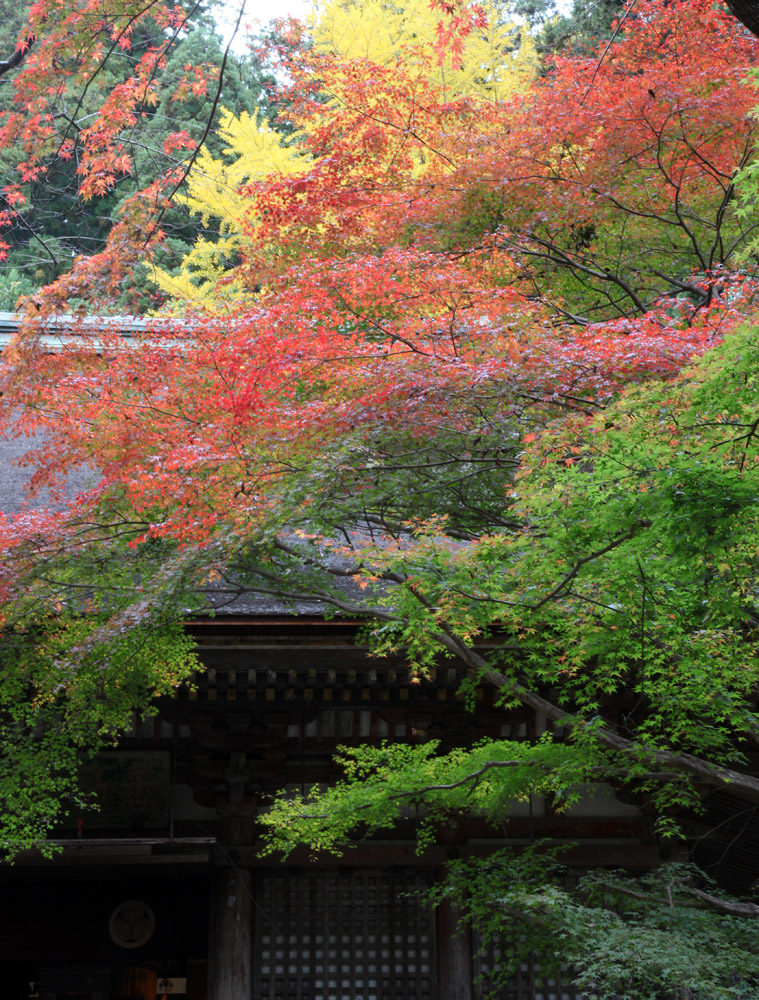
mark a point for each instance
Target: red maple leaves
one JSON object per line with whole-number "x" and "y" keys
{"x": 432, "y": 260}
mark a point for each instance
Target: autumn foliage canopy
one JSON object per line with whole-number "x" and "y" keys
{"x": 541, "y": 252}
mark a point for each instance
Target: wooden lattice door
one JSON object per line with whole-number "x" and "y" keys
{"x": 525, "y": 983}
{"x": 336, "y": 936}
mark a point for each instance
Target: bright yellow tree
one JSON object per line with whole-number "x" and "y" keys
{"x": 497, "y": 59}
{"x": 215, "y": 192}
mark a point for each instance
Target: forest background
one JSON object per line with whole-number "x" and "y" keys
{"x": 455, "y": 331}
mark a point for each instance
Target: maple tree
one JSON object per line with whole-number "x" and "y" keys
{"x": 429, "y": 375}
{"x": 345, "y": 39}
{"x": 594, "y": 235}
{"x": 55, "y": 208}
{"x": 69, "y": 47}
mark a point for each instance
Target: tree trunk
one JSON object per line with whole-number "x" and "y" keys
{"x": 747, "y": 12}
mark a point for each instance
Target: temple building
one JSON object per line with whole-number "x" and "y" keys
{"x": 164, "y": 892}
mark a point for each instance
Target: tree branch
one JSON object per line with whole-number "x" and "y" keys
{"x": 742, "y": 786}
{"x": 727, "y": 907}
{"x": 18, "y": 56}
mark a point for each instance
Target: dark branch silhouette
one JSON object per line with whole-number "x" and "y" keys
{"x": 18, "y": 56}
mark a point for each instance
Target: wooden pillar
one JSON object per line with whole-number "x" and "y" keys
{"x": 454, "y": 955}
{"x": 230, "y": 971}
{"x": 230, "y": 945}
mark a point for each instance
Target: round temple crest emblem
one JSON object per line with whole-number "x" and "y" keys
{"x": 131, "y": 924}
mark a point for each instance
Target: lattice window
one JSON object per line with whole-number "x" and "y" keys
{"x": 525, "y": 984}
{"x": 333, "y": 936}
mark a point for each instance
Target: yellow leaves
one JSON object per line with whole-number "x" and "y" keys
{"x": 196, "y": 283}
{"x": 496, "y": 60}
{"x": 215, "y": 193}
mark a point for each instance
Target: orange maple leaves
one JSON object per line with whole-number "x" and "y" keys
{"x": 412, "y": 272}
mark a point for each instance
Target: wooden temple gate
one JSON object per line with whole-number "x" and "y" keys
{"x": 164, "y": 892}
